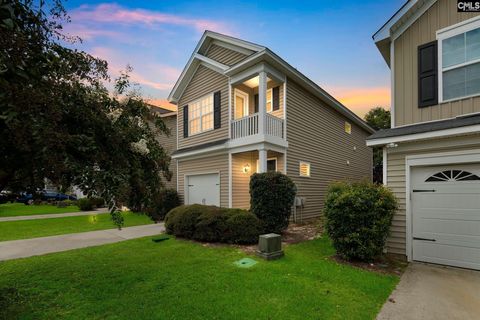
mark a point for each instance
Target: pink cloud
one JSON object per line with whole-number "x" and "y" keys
{"x": 160, "y": 77}
{"x": 361, "y": 99}
{"x": 113, "y": 13}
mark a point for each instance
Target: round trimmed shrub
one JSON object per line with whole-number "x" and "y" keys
{"x": 182, "y": 220}
{"x": 85, "y": 204}
{"x": 243, "y": 228}
{"x": 271, "y": 199}
{"x": 358, "y": 218}
{"x": 162, "y": 203}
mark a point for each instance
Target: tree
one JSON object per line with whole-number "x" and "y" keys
{"x": 379, "y": 119}
{"x": 58, "y": 121}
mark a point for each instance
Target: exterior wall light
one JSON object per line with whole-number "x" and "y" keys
{"x": 246, "y": 168}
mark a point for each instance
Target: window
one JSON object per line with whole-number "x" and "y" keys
{"x": 271, "y": 165}
{"x": 348, "y": 127}
{"x": 453, "y": 175}
{"x": 304, "y": 169}
{"x": 200, "y": 115}
{"x": 269, "y": 100}
{"x": 459, "y": 67}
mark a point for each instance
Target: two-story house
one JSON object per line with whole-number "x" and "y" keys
{"x": 242, "y": 109}
{"x": 432, "y": 153}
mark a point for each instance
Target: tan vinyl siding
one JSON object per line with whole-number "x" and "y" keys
{"x": 316, "y": 134}
{"x": 396, "y": 180}
{"x": 170, "y": 143}
{"x": 442, "y": 14}
{"x": 241, "y": 180}
{"x": 224, "y": 55}
{"x": 205, "y": 81}
{"x": 210, "y": 164}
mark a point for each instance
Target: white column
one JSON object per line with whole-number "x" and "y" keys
{"x": 262, "y": 160}
{"x": 262, "y": 101}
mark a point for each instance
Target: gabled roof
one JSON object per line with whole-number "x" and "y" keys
{"x": 198, "y": 57}
{"x": 398, "y": 23}
{"x": 257, "y": 55}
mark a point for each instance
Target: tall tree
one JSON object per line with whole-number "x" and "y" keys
{"x": 379, "y": 119}
{"x": 58, "y": 121}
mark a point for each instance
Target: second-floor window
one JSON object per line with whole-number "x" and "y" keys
{"x": 460, "y": 61}
{"x": 200, "y": 115}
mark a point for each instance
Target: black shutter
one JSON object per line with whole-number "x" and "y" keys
{"x": 217, "y": 110}
{"x": 276, "y": 98}
{"x": 255, "y": 98}
{"x": 427, "y": 75}
{"x": 185, "y": 121}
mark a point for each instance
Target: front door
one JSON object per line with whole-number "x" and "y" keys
{"x": 241, "y": 104}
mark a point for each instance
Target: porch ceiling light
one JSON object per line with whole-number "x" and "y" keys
{"x": 246, "y": 168}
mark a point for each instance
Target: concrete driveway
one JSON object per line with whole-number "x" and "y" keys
{"x": 434, "y": 292}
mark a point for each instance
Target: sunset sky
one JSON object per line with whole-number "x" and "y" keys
{"x": 328, "y": 41}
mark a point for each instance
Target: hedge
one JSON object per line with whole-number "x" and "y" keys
{"x": 213, "y": 224}
{"x": 271, "y": 199}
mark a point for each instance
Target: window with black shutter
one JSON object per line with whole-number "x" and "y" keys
{"x": 427, "y": 75}
{"x": 276, "y": 98}
{"x": 255, "y": 98}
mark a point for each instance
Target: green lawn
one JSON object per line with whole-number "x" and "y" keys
{"x": 174, "y": 279}
{"x": 13, "y": 230}
{"x": 19, "y": 209}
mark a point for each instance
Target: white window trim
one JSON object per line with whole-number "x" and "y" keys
{"x": 309, "y": 169}
{"x": 267, "y": 101}
{"x": 446, "y": 33}
{"x": 246, "y": 107}
{"x": 201, "y": 115}
{"x": 268, "y": 159}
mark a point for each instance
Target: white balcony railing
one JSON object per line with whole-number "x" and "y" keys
{"x": 273, "y": 126}
{"x": 248, "y": 126}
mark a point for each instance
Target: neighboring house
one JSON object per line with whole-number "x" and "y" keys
{"x": 432, "y": 152}
{"x": 242, "y": 109}
{"x": 168, "y": 142}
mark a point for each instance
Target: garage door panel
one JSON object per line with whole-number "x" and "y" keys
{"x": 452, "y": 255}
{"x": 450, "y": 216}
{"x": 204, "y": 189}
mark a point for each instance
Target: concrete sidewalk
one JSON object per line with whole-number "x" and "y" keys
{"x": 53, "y": 215}
{"x": 37, "y": 246}
{"x": 428, "y": 291}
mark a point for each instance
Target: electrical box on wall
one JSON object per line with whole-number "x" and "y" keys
{"x": 299, "y": 201}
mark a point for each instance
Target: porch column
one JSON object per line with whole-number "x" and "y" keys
{"x": 262, "y": 160}
{"x": 262, "y": 100}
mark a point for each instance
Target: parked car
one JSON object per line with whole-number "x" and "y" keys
{"x": 27, "y": 198}
{"x": 7, "y": 196}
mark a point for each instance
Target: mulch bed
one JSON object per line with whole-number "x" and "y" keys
{"x": 385, "y": 264}
{"x": 295, "y": 233}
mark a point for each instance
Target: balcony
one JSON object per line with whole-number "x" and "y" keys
{"x": 250, "y": 126}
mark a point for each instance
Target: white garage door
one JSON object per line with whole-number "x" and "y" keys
{"x": 203, "y": 189}
{"x": 446, "y": 215}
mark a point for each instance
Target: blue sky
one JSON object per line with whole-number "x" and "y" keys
{"x": 328, "y": 41}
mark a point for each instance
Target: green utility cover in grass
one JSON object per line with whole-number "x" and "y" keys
{"x": 245, "y": 263}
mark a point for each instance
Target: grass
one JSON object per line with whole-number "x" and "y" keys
{"x": 175, "y": 279}
{"x": 25, "y": 229}
{"x": 19, "y": 209}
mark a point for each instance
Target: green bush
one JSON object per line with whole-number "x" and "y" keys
{"x": 213, "y": 224}
{"x": 162, "y": 203}
{"x": 271, "y": 199}
{"x": 65, "y": 203}
{"x": 243, "y": 228}
{"x": 97, "y": 202}
{"x": 358, "y": 218}
{"x": 85, "y": 204}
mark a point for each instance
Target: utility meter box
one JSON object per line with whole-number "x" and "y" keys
{"x": 270, "y": 246}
